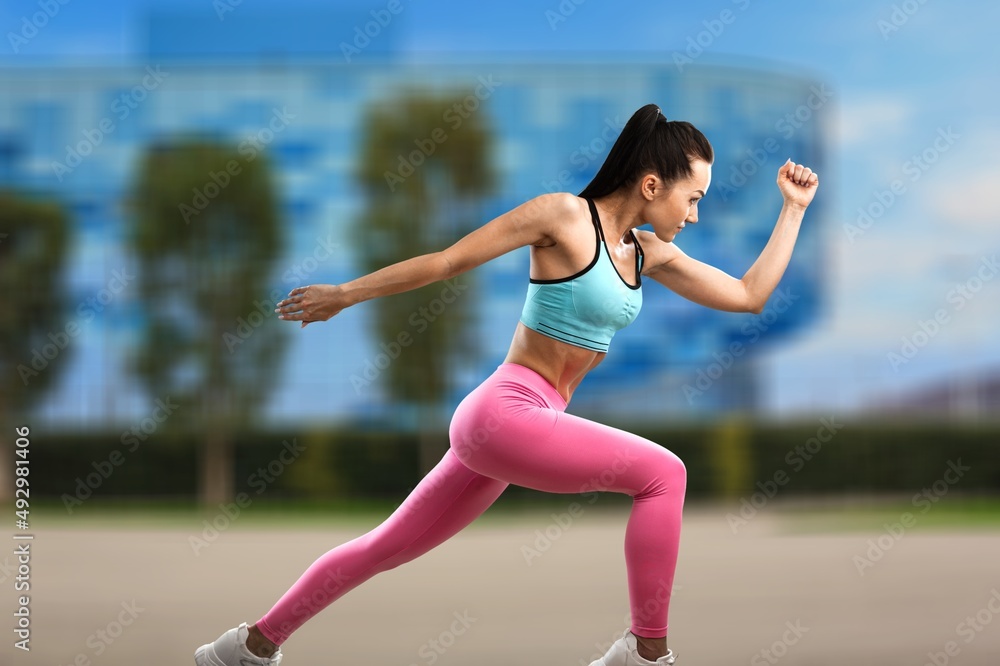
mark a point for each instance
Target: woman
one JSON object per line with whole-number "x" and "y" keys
{"x": 587, "y": 265}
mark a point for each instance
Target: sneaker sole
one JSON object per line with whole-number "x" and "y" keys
{"x": 205, "y": 656}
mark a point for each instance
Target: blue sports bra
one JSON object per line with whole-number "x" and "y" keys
{"x": 586, "y": 309}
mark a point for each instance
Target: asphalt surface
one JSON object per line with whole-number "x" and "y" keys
{"x": 137, "y": 595}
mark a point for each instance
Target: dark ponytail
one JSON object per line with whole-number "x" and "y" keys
{"x": 650, "y": 143}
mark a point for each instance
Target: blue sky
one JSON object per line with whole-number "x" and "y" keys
{"x": 926, "y": 71}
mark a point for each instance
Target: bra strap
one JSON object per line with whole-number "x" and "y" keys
{"x": 596, "y": 219}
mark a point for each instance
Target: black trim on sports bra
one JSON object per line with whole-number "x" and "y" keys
{"x": 596, "y": 219}
{"x": 591, "y": 346}
{"x": 638, "y": 252}
{"x": 598, "y": 235}
{"x": 639, "y": 257}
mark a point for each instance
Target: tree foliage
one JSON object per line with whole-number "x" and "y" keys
{"x": 424, "y": 168}
{"x": 206, "y": 230}
{"x": 35, "y": 345}
{"x": 34, "y": 239}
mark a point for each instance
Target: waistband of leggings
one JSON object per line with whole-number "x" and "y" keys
{"x": 532, "y": 379}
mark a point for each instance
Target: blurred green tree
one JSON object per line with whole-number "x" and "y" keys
{"x": 206, "y": 230}
{"x": 425, "y": 165}
{"x": 34, "y": 342}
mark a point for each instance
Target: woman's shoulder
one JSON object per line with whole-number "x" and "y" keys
{"x": 560, "y": 204}
{"x": 558, "y": 216}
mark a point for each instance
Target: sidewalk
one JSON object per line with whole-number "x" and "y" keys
{"x": 538, "y": 590}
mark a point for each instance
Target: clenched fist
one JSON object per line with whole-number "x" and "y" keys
{"x": 797, "y": 183}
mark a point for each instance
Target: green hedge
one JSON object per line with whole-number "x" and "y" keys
{"x": 730, "y": 459}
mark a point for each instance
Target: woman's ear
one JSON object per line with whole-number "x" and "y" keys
{"x": 650, "y": 186}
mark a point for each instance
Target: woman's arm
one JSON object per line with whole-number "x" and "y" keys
{"x": 711, "y": 287}
{"x": 531, "y": 223}
{"x": 763, "y": 277}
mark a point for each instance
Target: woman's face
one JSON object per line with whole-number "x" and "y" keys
{"x": 669, "y": 209}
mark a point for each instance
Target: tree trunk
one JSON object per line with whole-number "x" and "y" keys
{"x": 216, "y": 468}
{"x": 7, "y": 463}
{"x": 7, "y": 438}
{"x": 432, "y": 446}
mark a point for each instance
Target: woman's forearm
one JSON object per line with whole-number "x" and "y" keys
{"x": 765, "y": 274}
{"x": 397, "y": 278}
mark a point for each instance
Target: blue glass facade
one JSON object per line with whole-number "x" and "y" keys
{"x": 553, "y": 125}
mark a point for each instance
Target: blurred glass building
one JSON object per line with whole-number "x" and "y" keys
{"x": 76, "y": 133}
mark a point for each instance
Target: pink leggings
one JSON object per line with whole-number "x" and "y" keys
{"x": 513, "y": 429}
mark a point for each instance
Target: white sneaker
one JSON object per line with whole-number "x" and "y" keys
{"x": 230, "y": 649}
{"x": 623, "y": 653}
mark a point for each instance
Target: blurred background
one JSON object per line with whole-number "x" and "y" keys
{"x": 168, "y": 171}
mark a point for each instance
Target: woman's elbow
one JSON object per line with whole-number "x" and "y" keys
{"x": 447, "y": 266}
{"x": 754, "y": 303}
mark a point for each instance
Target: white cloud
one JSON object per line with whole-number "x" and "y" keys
{"x": 967, "y": 195}
{"x": 862, "y": 120}
{"x": 897, "y": 274}
{"x": 971, "y": 210}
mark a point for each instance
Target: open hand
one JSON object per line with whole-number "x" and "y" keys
{"x": 316, "y": 302}
{"x": 797, "y": 183}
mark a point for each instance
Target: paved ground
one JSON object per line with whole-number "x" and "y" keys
{"x": 737, "y": 595}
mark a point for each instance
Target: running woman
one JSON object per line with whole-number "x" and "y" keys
{"x": 587, "y": 265}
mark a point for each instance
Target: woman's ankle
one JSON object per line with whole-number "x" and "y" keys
{"x": 259, "y": 644}
{"x": 651, "y": 649}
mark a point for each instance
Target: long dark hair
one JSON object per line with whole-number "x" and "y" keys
{"x": 650, "y": 143}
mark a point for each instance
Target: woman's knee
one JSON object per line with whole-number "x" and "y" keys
{"x": 679, "y": 471}
{"x": 669, "y": 472}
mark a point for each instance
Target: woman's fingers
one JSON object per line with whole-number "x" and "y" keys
{"x": 292, "y": 307}
{"x": 802, "y": 175}
{"x": 296, "y": 295}
{"x": 287, "y": 309}
{"x": 308, "y": 304}
{"x": 799, "y": 174}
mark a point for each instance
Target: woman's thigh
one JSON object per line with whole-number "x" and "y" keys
{"x": 549, "y": 450}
